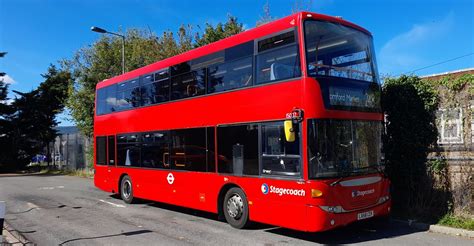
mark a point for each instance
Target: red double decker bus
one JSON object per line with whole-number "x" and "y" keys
{"x": 280, "y": 124}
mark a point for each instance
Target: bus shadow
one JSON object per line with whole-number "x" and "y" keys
{"x": 353, "y": 233}
{"x": 193, "y": 212}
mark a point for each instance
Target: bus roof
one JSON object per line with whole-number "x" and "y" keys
{"x": 254, "y": 33}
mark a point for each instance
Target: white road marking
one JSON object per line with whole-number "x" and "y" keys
{"x": 51, "y": 187}
{"x": 31, "y": 205}
{"x": 113, "y": 204}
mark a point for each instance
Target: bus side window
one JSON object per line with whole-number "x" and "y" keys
{"x": 279, "y": 64}
{"x": 188, "y": 150}
{"x": 128, "y": 150}
{"x": 238, "y": 149}
{"x": 101, "y": 150}
{"x": 279, "y": 157}
{"x": 155, "y": 149}
{"x": 111, "y": 150}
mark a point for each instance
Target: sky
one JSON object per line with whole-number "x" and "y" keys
{"x": 408, "y": 34}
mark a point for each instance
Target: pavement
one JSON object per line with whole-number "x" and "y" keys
{"x": 65, "y": 210}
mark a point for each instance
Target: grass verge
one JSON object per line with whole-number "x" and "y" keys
{"x": 84, "y": 173}
{"x": 457, "y": 222}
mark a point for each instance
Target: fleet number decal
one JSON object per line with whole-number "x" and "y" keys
{"x": 282, "y": 191}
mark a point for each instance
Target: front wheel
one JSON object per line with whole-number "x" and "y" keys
{"x": 126, "y": 189}
{"x": 235, "y": 207}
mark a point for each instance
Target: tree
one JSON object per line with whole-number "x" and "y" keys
{"x": 5, "y": 125}
{"x": 28, "y": 122}
{"x": 51, "y": 99}
{"x": 218, "y": 32}
{"x": 266, "y": 17}
{"x": 410, "y": 105}
{"x": 301, "y": 5}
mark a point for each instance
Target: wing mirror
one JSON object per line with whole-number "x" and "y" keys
{"x": 289, "y": 131}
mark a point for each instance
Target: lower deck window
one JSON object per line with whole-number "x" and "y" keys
{"x": 238, "y": 149}
{"x": 279, "y": 157}
{"x": 255, "y": 149}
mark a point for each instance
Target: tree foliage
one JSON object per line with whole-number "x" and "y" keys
{"x": 102, "y": 60}
{"x": 266, "y": 17}
{"x": 27, "y": 124}
{"x": 410, "y": 105}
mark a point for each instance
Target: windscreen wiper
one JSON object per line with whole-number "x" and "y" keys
{"x": 376, "y": 168}
{"x": 344, "y": 175}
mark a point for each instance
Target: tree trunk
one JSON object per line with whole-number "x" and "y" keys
{"x": 48, "y": 155}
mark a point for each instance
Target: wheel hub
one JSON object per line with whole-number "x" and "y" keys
{"x": 235, "y": 206}
{"x": 127, "y": 189}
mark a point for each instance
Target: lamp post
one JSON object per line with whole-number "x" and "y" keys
{"x": 100, "y": 30}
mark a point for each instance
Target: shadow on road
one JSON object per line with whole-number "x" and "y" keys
{"x": 131, "y": 233}
{"x": 358, "y": 232}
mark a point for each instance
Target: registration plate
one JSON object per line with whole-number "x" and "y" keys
{"x": 365, "y": 215}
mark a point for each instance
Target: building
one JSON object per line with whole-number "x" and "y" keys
{"x": 455, "y": 123}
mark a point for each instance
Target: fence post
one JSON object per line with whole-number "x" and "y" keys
{"x": 2, "y": 218}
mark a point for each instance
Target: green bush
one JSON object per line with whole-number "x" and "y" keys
{"x": 410, "y": 105}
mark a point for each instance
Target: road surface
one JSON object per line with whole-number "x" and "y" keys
{"x": 64, "y": 210}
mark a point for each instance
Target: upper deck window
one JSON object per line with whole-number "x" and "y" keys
{"x": 155, "y": 88}
{"x": 106, "y": 100}
{"x": 128, "y": 95}
{"x": 335, "y": 50}
{"x": 342, "y": 59}
{"x": 278, "y": 58}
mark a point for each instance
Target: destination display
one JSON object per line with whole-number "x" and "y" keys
{"x": 345, "y": 94}
{"x": 352, "y": 97}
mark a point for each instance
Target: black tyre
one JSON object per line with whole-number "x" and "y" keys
{"x": 126, "y": 189}
{"x": 236, "y": 209}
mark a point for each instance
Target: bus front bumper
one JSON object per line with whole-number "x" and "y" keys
{"x": 320, "y": 220}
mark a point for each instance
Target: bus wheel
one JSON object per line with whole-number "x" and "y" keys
{"x": 236, "y": 208}
{"x": 126, "y": 189}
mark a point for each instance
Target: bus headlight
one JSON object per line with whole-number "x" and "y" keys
{"x": 333, "y": 209}
{"x": 383, "y": 199}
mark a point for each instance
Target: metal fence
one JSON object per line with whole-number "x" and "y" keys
{"x": 69, "y": 151}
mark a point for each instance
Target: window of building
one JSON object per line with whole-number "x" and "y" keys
{"x": 279, "y": 157}
{"x": 155, "y": 149}
{"x": 238, "y": 149}
{"x": 128, "y": 150}
{"x": 450, "y": 126}
{"x": 101, "y": 150}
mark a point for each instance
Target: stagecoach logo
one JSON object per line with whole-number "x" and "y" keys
{"x": 281, "y": 191}
{"x": 170, "y": 178}
{"x": 265, "y": 189}
{"x": 356, "y": 193}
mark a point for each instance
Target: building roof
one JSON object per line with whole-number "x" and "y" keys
{"x": 455, "y": 72}
{"x": 67, "y": 130}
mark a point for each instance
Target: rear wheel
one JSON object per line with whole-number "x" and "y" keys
{"x": 126, "y": 189}
{"x": 235, "y": 207}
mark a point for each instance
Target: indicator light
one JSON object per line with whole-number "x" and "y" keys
{"x": 316, "y": 193}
